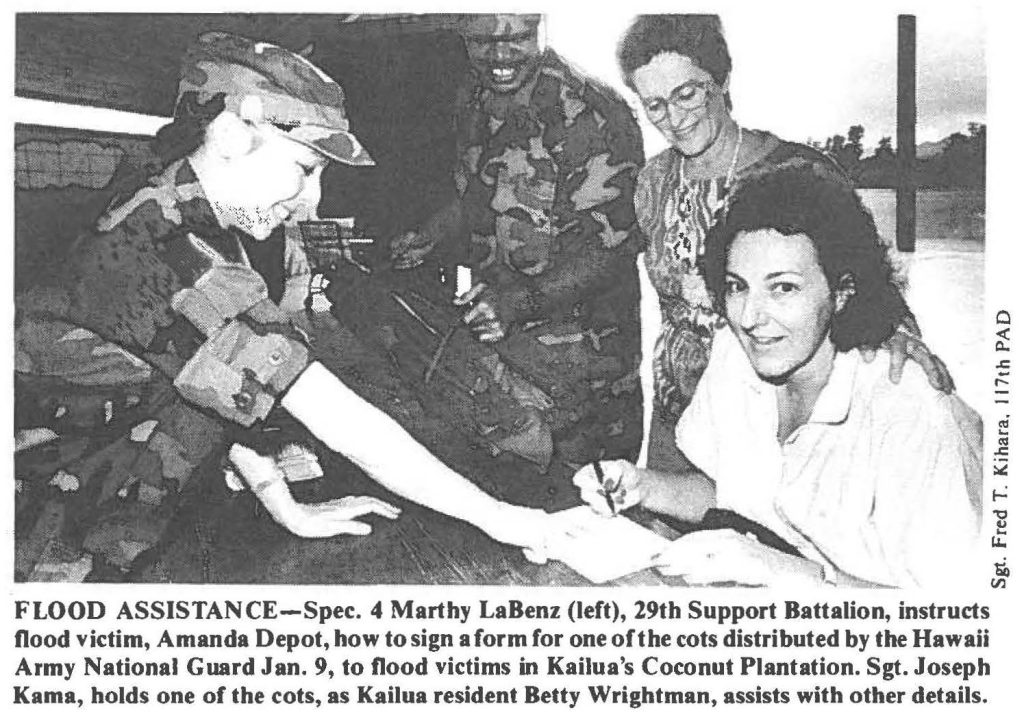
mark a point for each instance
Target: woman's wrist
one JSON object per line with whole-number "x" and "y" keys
{"x": 279, "y": 502}
{"x": 506, "y": 523}
{"x": 686, "y": 496}
{"x": 473, "y": 505}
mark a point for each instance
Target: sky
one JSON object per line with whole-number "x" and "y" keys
{"x": 810, "y": 71}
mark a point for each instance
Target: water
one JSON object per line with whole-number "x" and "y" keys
{"x": 945, "y": 276}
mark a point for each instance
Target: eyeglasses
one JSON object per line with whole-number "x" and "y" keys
{"x": 685, "y": 98}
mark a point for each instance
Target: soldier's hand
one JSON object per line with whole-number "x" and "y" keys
{"x": 410, "y": 249}
{"x": 484, "y": 316}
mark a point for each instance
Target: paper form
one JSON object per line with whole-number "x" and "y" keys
{"x": 604, "y": 548}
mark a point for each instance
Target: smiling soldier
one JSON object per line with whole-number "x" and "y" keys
{"x": 542, "y": 215}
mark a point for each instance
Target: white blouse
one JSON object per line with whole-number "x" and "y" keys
{"x": 877, "y": 483}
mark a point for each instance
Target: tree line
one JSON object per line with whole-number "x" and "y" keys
{"x": 959, "y": 162}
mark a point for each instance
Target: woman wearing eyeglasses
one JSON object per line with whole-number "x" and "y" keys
{"x": 679, "y": 66}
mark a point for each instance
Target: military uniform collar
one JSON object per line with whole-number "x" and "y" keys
{"x": 179, "y": 195}
{"x": 196, "y": 210}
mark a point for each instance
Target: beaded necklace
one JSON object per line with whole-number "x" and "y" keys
{"x": 686, "y": 205}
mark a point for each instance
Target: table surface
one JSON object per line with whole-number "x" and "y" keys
{"x": 229, "y": 538}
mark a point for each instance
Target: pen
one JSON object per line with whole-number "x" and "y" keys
{"x": 606, "y": 490}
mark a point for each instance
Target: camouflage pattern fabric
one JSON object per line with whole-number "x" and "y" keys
{"x": 544, "y": 215}
{"x": 240, "y": 370}
{"x": 462, "y": 398}
{"x": 546, "y": 178}
{"x": 96, "y": 359}
{"x": 456, "y": 376}
{"x": 263, "y": 82}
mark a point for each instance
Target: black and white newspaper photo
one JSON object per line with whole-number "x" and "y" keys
{"x": 585, "y": 358}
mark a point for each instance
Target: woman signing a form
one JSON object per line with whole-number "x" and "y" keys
{"x": 873, "y": 482}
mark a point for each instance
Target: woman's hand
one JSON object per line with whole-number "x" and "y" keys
{"x": 335, "y": 517}
{"x": 725, "y": 556}
{"x": 532, "y": 529}
{"x": 318, "y": 520}
{"x": 622, "y": 487}
{"x": 410, "y": 249}
{"x": 903, "y": 345}
{"x": 485, "y": 317}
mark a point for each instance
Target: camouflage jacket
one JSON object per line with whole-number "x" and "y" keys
{"x": 163, "y": 280}
{"x": 546, "y": 180}
{"x": 160, "y": 281}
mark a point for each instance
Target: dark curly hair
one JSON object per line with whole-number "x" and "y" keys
{"x": 798, "y": 199}
{"x": 698, "y": 37}
{"x": 187, "y": 131}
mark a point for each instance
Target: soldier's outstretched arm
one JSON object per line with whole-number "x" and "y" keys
{"x": 348, "y": 424}
{"x": 255, "y": 360}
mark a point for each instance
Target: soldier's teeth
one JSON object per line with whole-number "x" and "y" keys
{"x": 503, "y": 74}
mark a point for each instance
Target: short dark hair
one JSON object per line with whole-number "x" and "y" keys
{"x": 698, "y": 37}
{"x": 798, "y": 199}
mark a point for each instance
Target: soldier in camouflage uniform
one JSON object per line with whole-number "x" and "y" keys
{"x": 166, "y": 287}
{"x": 547, "y": 161}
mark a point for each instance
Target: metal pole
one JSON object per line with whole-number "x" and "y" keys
{"x": 906, "y": 134}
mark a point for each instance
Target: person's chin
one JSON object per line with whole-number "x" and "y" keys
{"x": 260, "y": 230}
{"x": 262, "y": 234}
{"x": 769, "y": 368}
{"x": 772, "y": 375}
{"x": 692, "y": 143}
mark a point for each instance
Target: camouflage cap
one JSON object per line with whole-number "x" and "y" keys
{"x": 485, "y": 24}
{"x": 263, "y": 82}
